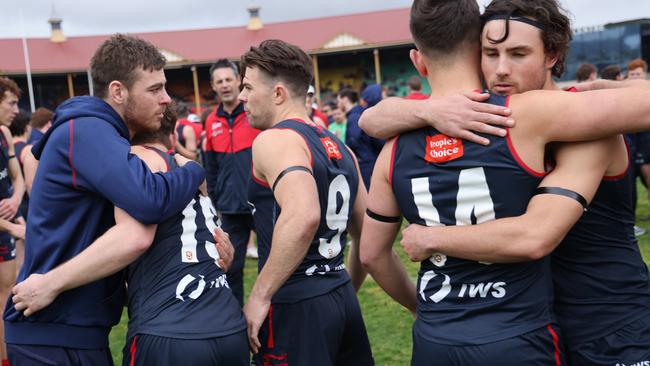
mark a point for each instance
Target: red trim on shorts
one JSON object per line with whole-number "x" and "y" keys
{"x": 627, "y": 168}
{"x": 270, "y": 343}
{"x": 74, "y": 172}
{"x": 513, "y": 151}
{"x": 132, "y": 351}
{"x": 256, "y": 179}
{"x": 392, "y": 161}
{"x": 556, "y": 345}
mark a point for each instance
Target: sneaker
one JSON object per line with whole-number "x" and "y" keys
{"x": 251, "y": 252}
{"x": 638, "y": 231}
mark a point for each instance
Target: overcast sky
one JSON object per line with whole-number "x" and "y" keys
{"x": 90, "y": 17}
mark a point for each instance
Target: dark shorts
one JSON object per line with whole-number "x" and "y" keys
{"x": 629, "y": 346}
{"x": 46, "y": 355}
{"x": 145, "y": 349}
{"x": 540, "y": 347}
{"x": 7, "y": 247}
{"x": 324, "y": 330}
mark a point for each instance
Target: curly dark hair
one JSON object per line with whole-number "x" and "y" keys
{"x": 556, "y": 33}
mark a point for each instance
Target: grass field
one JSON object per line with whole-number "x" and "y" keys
{"x": 388, "y": 324}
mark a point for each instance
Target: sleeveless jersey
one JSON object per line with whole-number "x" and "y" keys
{"x": 323, "y": 269}
{"x": 18, "y": 148}
{"x": 438, "y": 180}
{"x": 6, "y": 188}
{"x": 179, "y": 132}
{"x": 176, "y": 289}
{"x": 601, "y": 282}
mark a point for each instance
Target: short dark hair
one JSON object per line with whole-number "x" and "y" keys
{"x": 161, "y": 135}
{"x": 610, "y": 72}
{"x": 556, "y": 32}
{"x": 441, "y": 26}
{"x": 350, "y": 94}
{"x": 282, "y": 61}
{"x": 585, "y": 71}
{"x": 415, "y": 83}
{"x": 19, "y": 125}
{"x": 224, "y": 64}
{"x": 41, "y": 117}
{"x": 8, "y": 85}
{"x": 118, "y": 59}
{"x": 636, "y": 63}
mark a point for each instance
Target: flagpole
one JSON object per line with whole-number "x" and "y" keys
{"x": 28, "y": 68}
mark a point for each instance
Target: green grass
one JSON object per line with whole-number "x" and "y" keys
{"x": 388, "y": 324}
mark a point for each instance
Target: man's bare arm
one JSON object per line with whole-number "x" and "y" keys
{"x": 377, "y": 238}
{"x": 355, "y": 268}
{"x": 580, "y": 168}
{"x": 457, "y": 116}
{"x": 9, "y": 206}
{"x": 297, "y": 196}
{"x": 563, "y": 116}
{"x": 30, "y": 164}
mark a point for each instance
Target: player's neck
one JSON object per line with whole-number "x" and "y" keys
{"x": 453, "y": 79}
{"x": 291, "y": 110}
{"x": 156, "y": 145}
{"x": 549, "y": 84}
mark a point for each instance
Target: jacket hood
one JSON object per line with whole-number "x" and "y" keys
{"x": 81, "y": 107}
{"x": 372, "y": 94}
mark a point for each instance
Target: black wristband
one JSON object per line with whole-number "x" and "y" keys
{"x": 12, "y": 156}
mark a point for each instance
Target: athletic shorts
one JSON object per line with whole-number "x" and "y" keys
{"x": 19, "y": 354}
{"x": 145, "y": 349}
{"x": 7, "y": 247}
{"x": 323, "y": 330}
{"x": 627, "y": 346}
{"x": 540, "y": 347}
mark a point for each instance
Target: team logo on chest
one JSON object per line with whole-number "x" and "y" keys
{"x": 331, "y": 148}
{"x": 441, "y": 148}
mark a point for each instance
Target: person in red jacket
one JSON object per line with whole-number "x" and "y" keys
{"x": 229, "y": 138}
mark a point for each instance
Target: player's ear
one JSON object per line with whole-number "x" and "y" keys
{"x": 280, "y": 94}
{"x": 118, "y": 92}
{"x": 417, "y": 58}
{"x": 551, "y": 60}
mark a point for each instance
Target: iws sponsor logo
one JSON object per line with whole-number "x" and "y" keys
{"x": 436, "y": 286}
{"x": 441, "y": 148}
{"x": 187, "y": 283}
{"x": 640, "y": 363}
{"x": 4, "y": 174}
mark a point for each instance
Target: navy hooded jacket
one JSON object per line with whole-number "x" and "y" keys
{"x": 85, "y": 168}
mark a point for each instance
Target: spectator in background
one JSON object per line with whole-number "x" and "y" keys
{"x": 328, "y": 110}
{"x": 360, "y": 143}
{"x": 639, "y": 142}
{"x": 637, "y": 69}
{"x": 586, "y": 72}
{"x": 339, "y": 123}
{"x": 312, "y": 108}
{"x": 611, "y": 72}
{"x": 41, "y": 122}
{"x": 20, "y": 130}
{"x": 186, "y": 138}
{"x": 415, "y": 88}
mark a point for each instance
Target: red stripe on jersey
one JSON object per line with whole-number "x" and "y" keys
{"x": 556, "y": 345}
{"x": 256, "y": 179}
{"x": 132, "y": 351}
{"x": 627, "y": 167}
{"x": 74, "y": 172}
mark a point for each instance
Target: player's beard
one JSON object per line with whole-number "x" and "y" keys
{"x": 135, "y": 119}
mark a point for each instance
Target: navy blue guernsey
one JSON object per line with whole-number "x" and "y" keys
{"x": 323, "y": 269}
{"x": 441, "y": 180}
{"x": 6, "y": 189}
{"x": 601, "y": 282}
{"x": 176, "y": 289}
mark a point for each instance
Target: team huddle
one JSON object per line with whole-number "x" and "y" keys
{"x": 524, "y": 235}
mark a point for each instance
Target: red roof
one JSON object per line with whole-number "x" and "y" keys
{"x": 206, "y": 45}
